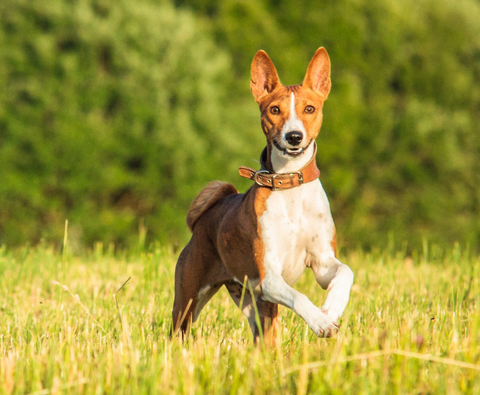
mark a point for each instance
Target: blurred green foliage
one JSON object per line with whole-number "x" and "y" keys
{"x": 111, "y": 113}
{"x": 116, "y": 113}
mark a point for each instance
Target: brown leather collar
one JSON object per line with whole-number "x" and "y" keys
{"x": 280, "y": 181}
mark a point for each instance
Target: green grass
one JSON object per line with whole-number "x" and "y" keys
{"x": 412, "y": 327}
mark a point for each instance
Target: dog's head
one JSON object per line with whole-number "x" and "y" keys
{"x": 291, "y": 115}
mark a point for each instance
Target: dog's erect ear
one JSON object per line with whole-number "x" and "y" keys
{"x": 263, "y": 74}
{"x": 318, "y": 73}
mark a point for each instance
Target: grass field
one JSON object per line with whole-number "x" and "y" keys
{"x": 412, "y": 327}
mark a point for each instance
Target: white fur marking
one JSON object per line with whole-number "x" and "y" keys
{"x": 200, "y": 300}
{"x": 203, "y": 291}
{"x": 297, "y": 230}
{"x": 284, "y": 164}
{"x": 293, "y": 122}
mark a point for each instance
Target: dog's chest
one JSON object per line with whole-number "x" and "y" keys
{"x": 296, "y": 227}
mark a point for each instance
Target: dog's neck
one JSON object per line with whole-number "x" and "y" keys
{"x": 275, "y": 161}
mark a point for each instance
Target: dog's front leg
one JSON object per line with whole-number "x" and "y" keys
{"x": 337, "y": 278}
{"x": 276, "y": 290}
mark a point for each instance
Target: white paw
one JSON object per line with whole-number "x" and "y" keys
{"x": 334, "y": 309}
{"x": 321, "y": 324}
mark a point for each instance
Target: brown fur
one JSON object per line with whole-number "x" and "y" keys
{"x": 213, "y": 257}
{"x": 210, "y": 195}
{"x": 333, "y": 243}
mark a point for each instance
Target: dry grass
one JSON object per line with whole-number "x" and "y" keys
{"x": 412, "y": 326}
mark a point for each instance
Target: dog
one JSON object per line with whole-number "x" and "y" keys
{"x": 264, "y": 239}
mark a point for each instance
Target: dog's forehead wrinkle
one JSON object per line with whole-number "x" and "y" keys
{"x": 279, "y": 98}
{"x": 273, "y": 100}
{"x": 293, "y": 88}
{"x": 280, "y": 94}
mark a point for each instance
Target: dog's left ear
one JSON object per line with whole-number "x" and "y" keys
{"x": 318, "y": 73}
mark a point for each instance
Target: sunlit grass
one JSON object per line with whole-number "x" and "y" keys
{"x": 412, "y": 326}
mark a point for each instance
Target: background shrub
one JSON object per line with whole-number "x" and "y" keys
{"x": 111, "y": 112}
{"x": 115, "y": 114}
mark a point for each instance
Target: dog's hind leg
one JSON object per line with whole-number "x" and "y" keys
{"x": 267, "y": 312}
{"x": 199, "y": 274}
{"x": 186, "y": 292}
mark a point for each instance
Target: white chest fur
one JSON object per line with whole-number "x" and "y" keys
{"x": 297, "y": 230}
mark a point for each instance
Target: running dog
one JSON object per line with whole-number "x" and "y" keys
{"x": 266, "y": 237}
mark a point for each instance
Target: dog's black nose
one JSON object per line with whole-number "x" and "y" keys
{"x": 294, "y": 138}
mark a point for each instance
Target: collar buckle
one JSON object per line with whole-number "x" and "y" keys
{"x": 257, "y": 180}
{"x": 300, "y": 177}
{"x": 274, "y": 176}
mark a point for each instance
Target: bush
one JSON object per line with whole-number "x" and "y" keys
{"x": 399, "y": 146}
{"x": 111, "y": 114}
{"x": 115, "y": 114}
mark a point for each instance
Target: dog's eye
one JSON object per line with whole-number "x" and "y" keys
{"x": 275, "y": 110}
{"x": 309, "y": 109}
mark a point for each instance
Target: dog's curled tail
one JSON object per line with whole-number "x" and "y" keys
{"x": 208, "y": 196}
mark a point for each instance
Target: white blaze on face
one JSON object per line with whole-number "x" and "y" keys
{"x": 284, "y": 163}
{"x": 293, "y": 123}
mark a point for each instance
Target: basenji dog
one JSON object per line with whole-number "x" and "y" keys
{"x": 264, "y": 239}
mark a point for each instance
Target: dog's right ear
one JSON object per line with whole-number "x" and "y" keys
{"x": 264, "y": 76}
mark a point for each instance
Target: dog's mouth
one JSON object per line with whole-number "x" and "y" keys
{"x": 296, "y": 151}
{"x": 293, "y": 151}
